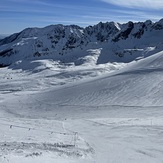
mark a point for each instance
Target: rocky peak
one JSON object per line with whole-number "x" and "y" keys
{"x": 124, "y": 32}
{"x": 102, "y": 31}
{"x": 158, "y": 25}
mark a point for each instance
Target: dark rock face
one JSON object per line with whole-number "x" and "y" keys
{"x": 102, "y": 31}
{"x": 140, "y": 31}
{"x": 158, "y": 25}
{"x": 9, "y": 39}
{"x": 2, "y": 65}
{"x": 6, "y": 52}
{"x": 125, "y": 33}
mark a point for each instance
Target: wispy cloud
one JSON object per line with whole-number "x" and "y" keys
{"x": 23, "y": 13}
{"x": 148, "y": 4}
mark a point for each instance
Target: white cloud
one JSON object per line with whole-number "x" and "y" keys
{"x": 149, "y": 4}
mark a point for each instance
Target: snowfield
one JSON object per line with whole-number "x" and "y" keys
{"x": 82, "y": 95}
{"x": 98, "y": 115}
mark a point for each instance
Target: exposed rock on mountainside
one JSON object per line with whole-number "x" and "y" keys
{"x": 119, "y": 42}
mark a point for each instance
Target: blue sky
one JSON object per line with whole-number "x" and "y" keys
{"x": 15, "y": 15}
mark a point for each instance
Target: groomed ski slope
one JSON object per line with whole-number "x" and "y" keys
{"x": 116, "y": 117}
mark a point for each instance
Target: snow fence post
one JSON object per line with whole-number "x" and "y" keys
{"x": 75, "y": 138}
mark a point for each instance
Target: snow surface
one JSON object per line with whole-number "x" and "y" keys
{"x": 108, "y": 116}
{"x": 82, "y": 95}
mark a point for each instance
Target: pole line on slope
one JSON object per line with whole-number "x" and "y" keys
{"x": 70, "y": 131}
{"x": 22, "y": 127}
{"x": 74, "y": 134}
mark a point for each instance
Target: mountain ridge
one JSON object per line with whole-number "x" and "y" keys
{"x": 58, "y": 42}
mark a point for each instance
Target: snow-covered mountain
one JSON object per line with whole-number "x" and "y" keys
{"x": 82, "y": 95}
{"x": 118, "y": 42}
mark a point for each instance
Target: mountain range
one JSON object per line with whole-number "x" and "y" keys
{"x": 82, "y": 95}
{"x": 118, "y": 43}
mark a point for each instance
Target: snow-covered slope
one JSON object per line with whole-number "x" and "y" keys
{"x": 115, "y": 117}
{"x": 138, "y": 84}
{"x": 48, "y": 114}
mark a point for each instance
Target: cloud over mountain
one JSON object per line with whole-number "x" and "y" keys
{"x": 149, "y": 4}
